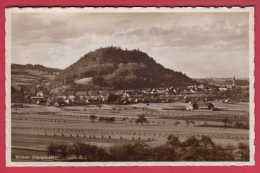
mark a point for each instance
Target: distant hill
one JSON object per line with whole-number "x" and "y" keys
{"x": 30, "y": 75}
{"x": 114, "y": 68}
{"x": 224, "y": 81}
{"x": 26, "y": 79}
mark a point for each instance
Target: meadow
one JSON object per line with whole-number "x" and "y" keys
{"x": 34, "y": 127}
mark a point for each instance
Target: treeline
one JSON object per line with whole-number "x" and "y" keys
{"x": 34, "y": 67}
{"x": 191, "y": 149}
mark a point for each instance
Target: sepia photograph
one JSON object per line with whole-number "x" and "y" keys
{"x": 129, "y": 86}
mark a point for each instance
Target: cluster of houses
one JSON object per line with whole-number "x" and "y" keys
{"x": 153, "y": 95}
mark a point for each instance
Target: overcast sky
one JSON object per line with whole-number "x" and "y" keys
{"x": 198, "y": 44}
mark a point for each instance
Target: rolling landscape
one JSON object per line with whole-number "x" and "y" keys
{"x": 114, "y": 99}
{"x": 130, "y": 86}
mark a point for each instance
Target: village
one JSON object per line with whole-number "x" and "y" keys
{"x": 197, "y": 95}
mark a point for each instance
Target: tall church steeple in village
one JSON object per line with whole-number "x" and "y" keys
{"x": 234, "y": 82}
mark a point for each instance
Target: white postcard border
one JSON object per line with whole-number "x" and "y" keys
{"x": 8, "y": 55}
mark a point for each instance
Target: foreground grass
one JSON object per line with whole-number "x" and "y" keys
{"x": 192, "y": 149}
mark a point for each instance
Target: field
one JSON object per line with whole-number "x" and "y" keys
{"x": 36, "y": 126}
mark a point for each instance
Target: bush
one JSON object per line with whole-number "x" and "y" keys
{"x": 164, "y": 153}
{"x": 243, "y": 151}
{"x": 92, "y": 117}
{"x": 141, "y": 119}
{"x": 52, "y": 149}
{"x": 203, "y": 149}
{"x": 131, "y": 152}
{"x": 191, "y": 149}
{"x": 57, "y": 150}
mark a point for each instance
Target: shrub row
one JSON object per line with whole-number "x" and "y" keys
{"x": 191, "y": 149}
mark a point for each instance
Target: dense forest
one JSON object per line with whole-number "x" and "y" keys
{"x": 122, "y": 69}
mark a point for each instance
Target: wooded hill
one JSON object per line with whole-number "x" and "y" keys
{"x": 31, "y": 75}
{"x": 115, "y": 68}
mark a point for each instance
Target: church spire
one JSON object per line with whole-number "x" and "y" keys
{"x": 234, "y": 81}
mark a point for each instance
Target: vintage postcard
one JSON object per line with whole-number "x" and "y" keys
{"x": 130, "y": 86}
